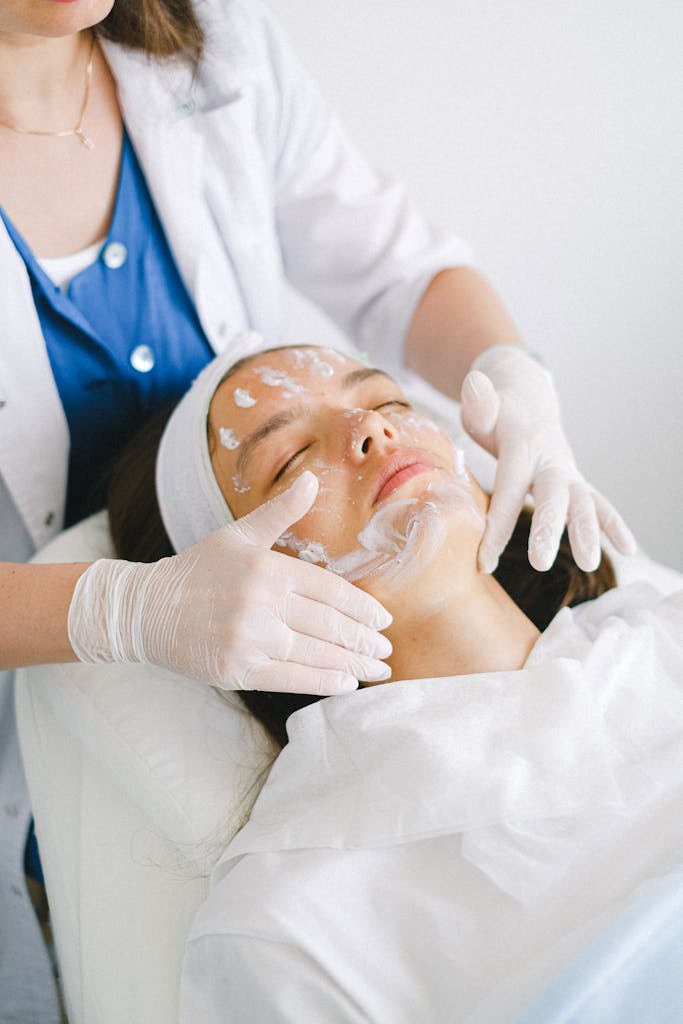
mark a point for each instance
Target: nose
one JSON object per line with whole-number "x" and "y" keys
{"x": 370, "y": 432}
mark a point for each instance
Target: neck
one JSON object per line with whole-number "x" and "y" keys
{"x": 42, "y": 79}
{"x": 467, "y": 626}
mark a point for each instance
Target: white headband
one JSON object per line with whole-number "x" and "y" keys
{"x": 190, "y": 500}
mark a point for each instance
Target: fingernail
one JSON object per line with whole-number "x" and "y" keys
{"x": 382, "y": 618}
{"x": 469, "y": 385}
{"x": 487, "y": 563}
{"x": 588, "y": 559}
{"x": 347, "y": 684}
{"x": 308, "y": 481}
{"x": 629, "y": 542}
{"x": 374, "y": 671}
{"x": 381, "y": 647}
{"x": 541, "y": 559}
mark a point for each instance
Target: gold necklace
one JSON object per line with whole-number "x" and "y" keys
{"x": 78, "y": 130}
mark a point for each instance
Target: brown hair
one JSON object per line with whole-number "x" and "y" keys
{"x": 161, "y": 28}
{"x": 138, "y": 534}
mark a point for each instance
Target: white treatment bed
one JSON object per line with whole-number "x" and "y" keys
{"x": 138, "y": 780}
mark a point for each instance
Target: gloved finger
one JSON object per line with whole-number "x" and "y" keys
{"x": 265, "y": 524}
{"x": 509, "y": 493}
{"x": 287, "y": 677}
{"x": 326, "y": 623}
{"x": 479, "y": 407}
{"x": 550, "y": 490}
{"x": 582, "y": 527}
{"x": 284, "y": 644}
{"x": 325, "y": 587}
{"x": 613, "y": 526}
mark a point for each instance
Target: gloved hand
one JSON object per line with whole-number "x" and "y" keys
{"x": 509, "y": 406}
{"x": 234, "y": 613}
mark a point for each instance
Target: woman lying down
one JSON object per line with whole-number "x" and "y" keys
{"x": 493, "y": 835}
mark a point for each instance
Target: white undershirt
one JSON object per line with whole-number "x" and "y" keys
{"x": 63, "y": 269}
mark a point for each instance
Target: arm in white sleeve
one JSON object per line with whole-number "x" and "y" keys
{"x": 351, "y": 239}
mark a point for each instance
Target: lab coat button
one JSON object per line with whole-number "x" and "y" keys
{"x": 142, "y": 359}
{"x": 11, "y": 810}
{"x": 49, "y": 519}
{"x": 114, "y": 255}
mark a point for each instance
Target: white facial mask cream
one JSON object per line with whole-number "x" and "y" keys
{"x": 403, "y": 536}
{"x": 243, "y": 399}
{"x": 228, "y": 438}
{"x": 310, "y": 360}
{"x": 278, "y": 379}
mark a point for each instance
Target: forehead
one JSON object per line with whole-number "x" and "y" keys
{"x": 285, "y": 375}
{"x": 308, "y": 367}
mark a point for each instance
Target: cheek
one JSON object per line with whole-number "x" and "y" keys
{"x": 480, "y": 496}
{"x": 418, "y": 431}
{"x": 236, "y": 491}
{"x": 334, "y": 520}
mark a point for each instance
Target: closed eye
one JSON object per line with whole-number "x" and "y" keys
{"x": 289, "y": 463}
{"x": 393, "y": 401}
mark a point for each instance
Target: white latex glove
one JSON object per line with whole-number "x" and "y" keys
{"x": 509, "y": 406}
{"x": 234, "y": 613}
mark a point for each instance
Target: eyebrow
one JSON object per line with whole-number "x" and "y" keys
{"x": 294, "y": 413}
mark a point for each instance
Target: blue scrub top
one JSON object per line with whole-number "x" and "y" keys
{"x": 123, "y": 341}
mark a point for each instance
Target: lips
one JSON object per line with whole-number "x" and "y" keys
{"x": 398, "y": 469}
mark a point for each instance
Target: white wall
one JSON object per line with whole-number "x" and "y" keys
{"x": 550, "y": 136}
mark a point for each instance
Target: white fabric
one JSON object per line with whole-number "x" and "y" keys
{"x": 437, "y": 849}
{"x": 137, "y": 778}
{"x": 63, "y": 269}
{"x": 253, "y": 180}
{"x": 191, "y": 502}
{"x": 26, "y": 981}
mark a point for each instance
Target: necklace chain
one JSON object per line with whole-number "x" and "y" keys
{"x": 78, "y": 129}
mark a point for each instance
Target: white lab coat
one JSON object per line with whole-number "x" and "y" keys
{"x": 254, "y": 180}
{"x": 437, "y": 850}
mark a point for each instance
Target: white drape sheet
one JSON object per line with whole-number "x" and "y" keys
{"x": 441, "y": 849}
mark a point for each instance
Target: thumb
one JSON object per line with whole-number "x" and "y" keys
{"x": 479, "y": 405}
{"x": 265, "y": 524}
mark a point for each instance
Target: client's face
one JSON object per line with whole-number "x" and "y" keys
{"x": 388, "y": 476}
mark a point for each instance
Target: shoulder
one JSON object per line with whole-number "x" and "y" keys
{"x": 241, "y": 35}
{"x": 245, "y": 53}
{"x": 239, "y": 38}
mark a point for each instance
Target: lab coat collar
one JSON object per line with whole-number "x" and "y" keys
{"x": 169, "y": 142}
{"x": 173, "y": 91}
{"x": 166, "y": 114}
{"x": 32, "y": 426}
{"x": 169, "y": 133}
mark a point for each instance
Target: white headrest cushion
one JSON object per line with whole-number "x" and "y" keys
{"x": 190, "y": 759}
{"x": 190, "y": 501}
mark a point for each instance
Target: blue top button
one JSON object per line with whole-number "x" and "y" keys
{"x": 123, "y": 341}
